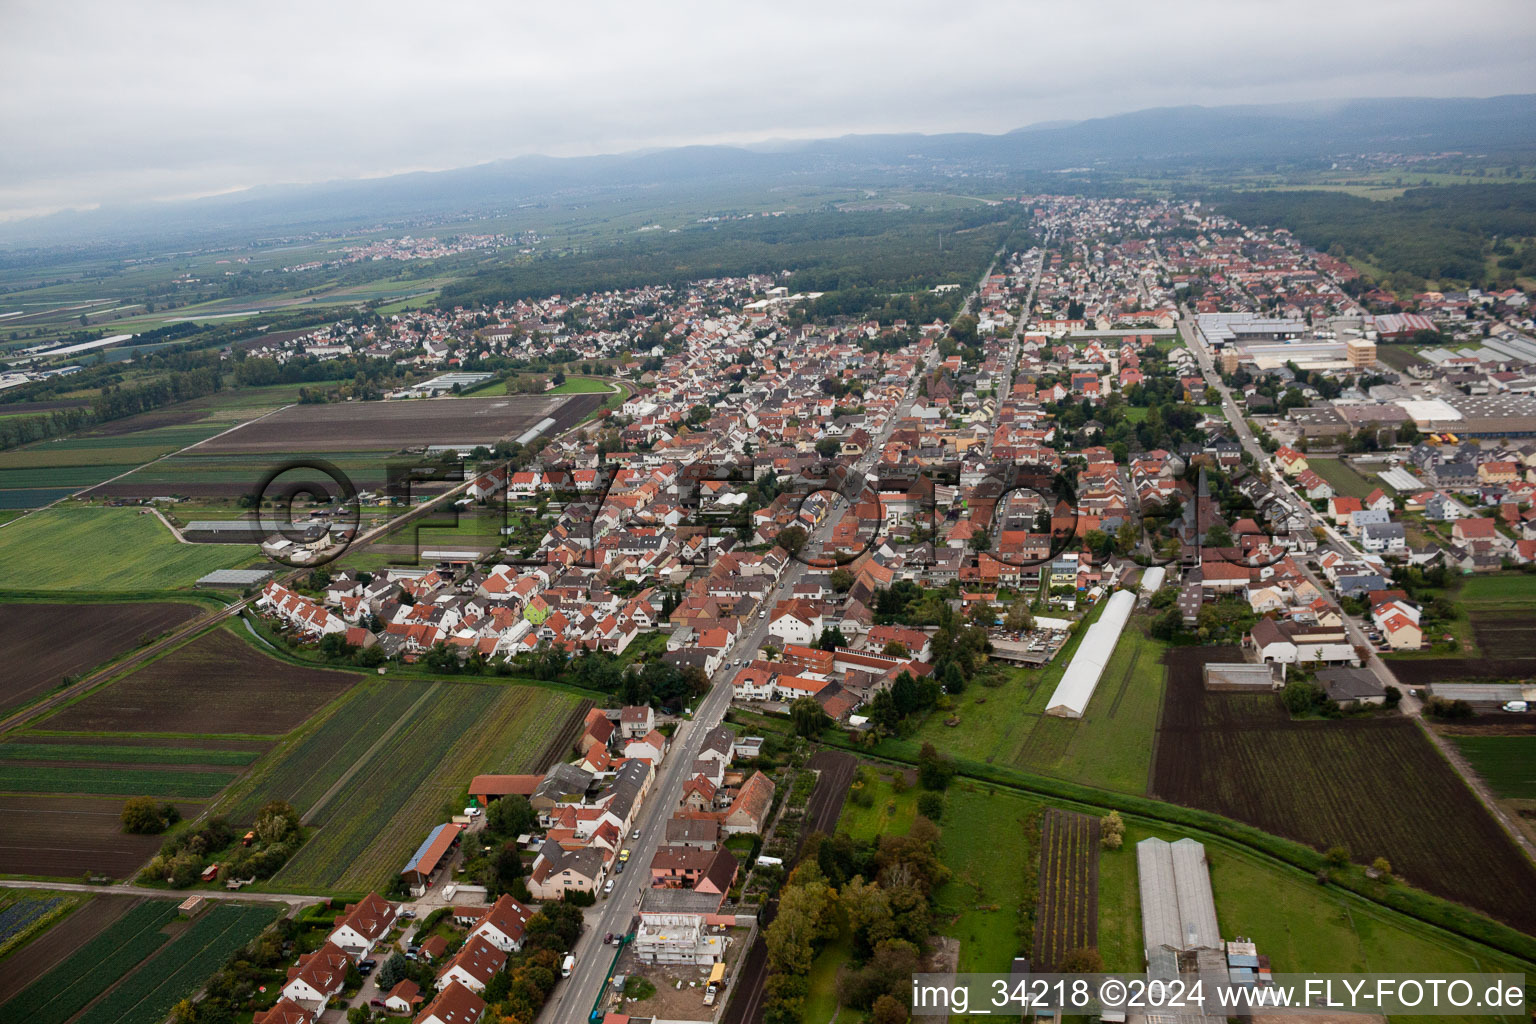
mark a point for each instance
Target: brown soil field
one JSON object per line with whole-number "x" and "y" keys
{"x": 45, "y": 642}
{"x": 1068, "y": 918}
{"x": 1429, "y": 671}
{"x": 193, "y": 742}
{"x": 1375, "y": 784}
{"x": 61, "y": 941}
{"x": 351, "y": 426}
{"x": 66, "y": 837}
{"x": 1505, "y": 636}
{"x": 217, "y": 684}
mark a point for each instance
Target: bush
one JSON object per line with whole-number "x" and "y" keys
{"x": 579, "y": 897}
{"x": 1338, "y": 856}
{"x": 931, "y": 805}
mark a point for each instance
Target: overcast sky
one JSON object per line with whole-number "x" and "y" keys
{"x": 103, "y": 101}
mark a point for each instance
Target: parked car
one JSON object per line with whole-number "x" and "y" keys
{"x": 608, "y": 939}
{"x": 1517, "y": 706}
{"x": 377, "y": 1004}
{"x": 408, "y": 914}
{"x": 369, "y": 963}
{"x": 635, "y": 834}
{"x": 608, "y": 888}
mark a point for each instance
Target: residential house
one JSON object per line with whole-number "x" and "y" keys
{"x": 473, "y": 966}
{"x": 363, "y": 925}
{"x": 318, "y": 977}
{"x": 455, "y": 1004}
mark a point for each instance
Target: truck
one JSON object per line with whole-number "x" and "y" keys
{"x": 716, "y": 981}
{"x": 567, "y": 965}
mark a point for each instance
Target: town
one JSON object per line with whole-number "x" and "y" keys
{"x": 813, "y": 589}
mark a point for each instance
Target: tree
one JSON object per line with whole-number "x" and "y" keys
{"x": 934, "y": 770}
{"x": 1019, "y": 617}
{"x": 895, "y": 649}
{"x": 831, "y": 639}
{"x": 792, "y": 539}
{"x": 276, "y": 822}
{"x": 1382, "y": 867}
{"x": 888, "y": 1010}
{"x": 395, "y": 970}
{"x": 1112, "y": 830}
{"x": 828, "y": 447}
{"x": 506, "y": 868}
{"x": 808, "y": 717}
{"x": 931, "y": 805}
{"x": 842, "y": 580}
{"x": 1338, "y": 855}
{"x": 510, "y": 816}
{"x": 142, "y": 816}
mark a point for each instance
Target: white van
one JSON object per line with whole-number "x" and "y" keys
{"x": 567, "y": 965}
{"x": 1518, "y": 706}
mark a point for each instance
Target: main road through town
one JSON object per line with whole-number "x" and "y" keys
{"x": 573, "y": 999}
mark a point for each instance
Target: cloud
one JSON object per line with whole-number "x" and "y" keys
{"x": 103, "y": 102}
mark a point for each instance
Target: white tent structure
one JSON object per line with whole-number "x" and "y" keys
{"x": 1178, "y": 911}
{"x": 1081, "y": 677}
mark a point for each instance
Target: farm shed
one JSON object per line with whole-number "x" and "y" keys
{"x": 1082, "y": 676}
{"x": 1178, "y": 911}
{"x": 485, "y": 788}
{"x": 1152, "y": 579}
{"x": 429, "y": 856}
{"x": 1238, "y": 677}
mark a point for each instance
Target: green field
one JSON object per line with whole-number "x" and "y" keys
{"x": 368, "y": 828}
{"x": 990, "y": 845}
{"x": 148, "y": 994}
{"x": 99, "y": 963}
{"x": 304, "y": 766}
{"x": 1110, "y": 746}
{"x": 1508, "y": 763}
{"x": 1346, "y": 481}
{"x": 30, "y": 778}
{"x": 122, "y": 754}
{"x": 1500, "y": 593}
{"x": 104, "y": 549}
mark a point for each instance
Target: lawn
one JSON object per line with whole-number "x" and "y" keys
{"x": 1344, "y": 478}
{"x": 580, "y": 386}
{"x": 1508, "y": 763}
{"x": 890, "y": 813}
{"x": 822, "y": 1002}
{"x": 1110, "y": 746}
{"x": 990, "y": 845}
{"x": 105, "y": 549}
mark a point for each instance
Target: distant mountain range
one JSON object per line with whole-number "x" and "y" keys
{"x": 1163, "y": 138}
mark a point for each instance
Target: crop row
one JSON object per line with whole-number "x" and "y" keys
{"x": 302, "y": 772}
{"x": 363, "y": 812}
{"x": 63, "y": 991}
{"x": 20, "y": 914}
{"x": 147, "y": 995}
{"x": 122, "y": 754}
{"x": 113, "y": 781}
{"x": 1068, "y": 886}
